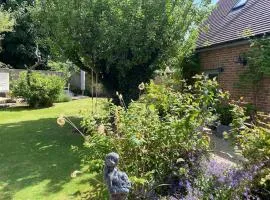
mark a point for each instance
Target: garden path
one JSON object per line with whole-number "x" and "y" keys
{"x": 224, "y": 153}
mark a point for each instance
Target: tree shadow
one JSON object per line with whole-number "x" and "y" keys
{"x": 36, "y": 151}
{"x": 22, "y": 108}
{"x": 97, "y": 191}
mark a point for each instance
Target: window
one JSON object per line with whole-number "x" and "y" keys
{"x": 213, "y": 73}
{"x": 239, "y": 4}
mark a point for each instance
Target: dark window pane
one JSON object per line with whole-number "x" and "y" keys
{"x": 239, "y": 4}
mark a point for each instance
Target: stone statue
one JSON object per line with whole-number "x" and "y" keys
{"x": 117, "y": 182}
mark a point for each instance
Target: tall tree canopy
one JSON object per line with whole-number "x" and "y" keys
{"x": 19, "y": 46}
{"x": 123, "y": 40}
{"x": 6, "y": 22}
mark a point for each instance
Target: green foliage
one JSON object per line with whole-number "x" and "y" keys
{"x": 224, "y": 111}
{"x": 158, "y": 137}
{"x": 6, "y": 21}
{"x": 255, "y": 145}
{"x": 253, "y": 142}
{"x": 124, "y": 40}
{"x": 258, "y": 59}
{"x": 67, "y": 68}
{"x": 63, "y": 97}
{"x": 39, "y": 90}
{"x": 19, "y": 46}
{"x": 250, "y": 110}
{"x": 190, "y": 67}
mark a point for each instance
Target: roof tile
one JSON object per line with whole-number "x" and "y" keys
{"x": 226, "y": 25}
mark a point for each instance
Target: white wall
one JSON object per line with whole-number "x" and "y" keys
{"x": 4, "y": 82}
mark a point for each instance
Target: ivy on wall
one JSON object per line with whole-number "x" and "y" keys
{"x": 258, "y": 58}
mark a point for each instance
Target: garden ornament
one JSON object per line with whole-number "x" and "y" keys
{"x": 117, "y": 182}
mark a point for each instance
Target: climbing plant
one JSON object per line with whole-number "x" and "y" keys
{"x": 258, "y": 58}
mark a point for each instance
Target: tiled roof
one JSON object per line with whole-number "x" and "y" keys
{"x": 227, "y": 25}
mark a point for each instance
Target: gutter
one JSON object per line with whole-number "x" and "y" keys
{"x": 232, "y": 43}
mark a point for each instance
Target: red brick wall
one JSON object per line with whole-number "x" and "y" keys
{"x": 225, "y": 58}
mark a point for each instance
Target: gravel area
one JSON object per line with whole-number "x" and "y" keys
{"x": 223, "y": 151}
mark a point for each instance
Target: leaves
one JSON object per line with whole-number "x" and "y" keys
{"x": 39, "y": 90}
{"x": 258, "y": 62}
{"x": 6, "y": 21}
{"x": 125, "y": 40}
{"x": 159, "y": 135}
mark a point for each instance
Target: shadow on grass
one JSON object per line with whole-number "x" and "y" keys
{"x": 98, "y": 189}
{"x": 36, "y": 151}
{"x": 22, "y": 108}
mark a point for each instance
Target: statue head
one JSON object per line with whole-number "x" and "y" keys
{"x": 112, "y": 160}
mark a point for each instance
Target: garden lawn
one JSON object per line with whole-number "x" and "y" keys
{"x": 36, "y": 160}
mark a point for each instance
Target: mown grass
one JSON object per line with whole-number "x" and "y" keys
{"x": 36, "y": 159}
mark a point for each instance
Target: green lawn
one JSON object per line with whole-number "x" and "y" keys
{"x": 36, "y": 160}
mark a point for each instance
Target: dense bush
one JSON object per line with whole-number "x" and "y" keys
{"x": 39, "y": 90}
{"x": 253, "y": 142}
{"x": 224, "y": 110}
{"x": 160, "y": 137}
{"x": 6, "y": 21}
{"x": 249, "y": 179}
{"x": 63, "y": 97}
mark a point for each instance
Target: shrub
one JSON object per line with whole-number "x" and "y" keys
{"x": 39, "y": 90}
{"x": 255, "y": 145}
{"x": 225, "y": 113}
{"x": 224, "y": 182}
{"x": 160, "y": 137}
{"x": 63, "y": 97}
{"x": 253, "y": 142}
{"x": 250, "y": 110}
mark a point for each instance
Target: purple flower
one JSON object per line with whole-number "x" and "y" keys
{"x": 246, "y": 193}
{"x": 180, "y": 184}
{"x": 193, "y": 194}
{"x": 236, "y": 176}
{"x": 188, "y": 186}
{"x": 216, "y": 169}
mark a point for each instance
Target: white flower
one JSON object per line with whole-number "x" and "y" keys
{"x": 61, "y": 121}
{"x": 168, "y": 70}
{"x": 101, "y": 129}
{"x": 141, "y": 86}
{"x": 75, "y": 173}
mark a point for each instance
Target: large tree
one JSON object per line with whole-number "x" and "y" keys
{"x": 19, "y": 47}
{"x": 123, "y": 40}
{"x": 6, "y": 22}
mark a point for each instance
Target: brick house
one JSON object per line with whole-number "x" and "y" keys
{"x": 222, "y": 44}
